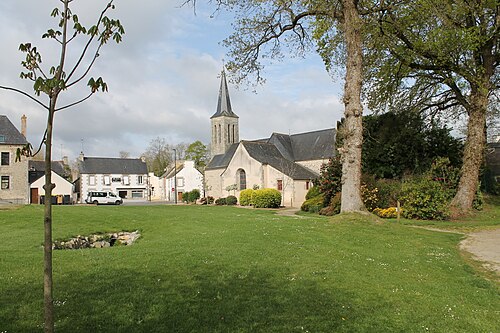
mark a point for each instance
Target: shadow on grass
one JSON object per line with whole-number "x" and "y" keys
{"x": 206, "y": 301}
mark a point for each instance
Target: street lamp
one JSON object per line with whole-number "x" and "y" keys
{"x": 175, "y": 175}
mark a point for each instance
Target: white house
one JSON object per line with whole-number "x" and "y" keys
{"x": 287, "y": 163}
{"x": 63, "y": 190}
{"x": 127, "y": 177}
{"x": 187, "y": 176}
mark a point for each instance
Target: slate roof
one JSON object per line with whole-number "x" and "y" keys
{"x": 10, "y": 134}
{"x": 104, "y": 165}
{"x": 281, "y": 151}
{"x": 268, "y": 153}
{"x": 37, "y": 170}
{"x": 224, "y": 103}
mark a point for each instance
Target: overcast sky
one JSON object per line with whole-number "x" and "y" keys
{"x": 163, "y": 81}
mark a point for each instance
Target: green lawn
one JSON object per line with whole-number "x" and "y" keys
{"x": 227, "y": 269}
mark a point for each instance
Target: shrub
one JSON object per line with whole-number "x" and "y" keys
{"x": 267, "y": 198}
{"x": 387, "y": 213}
{"x": 207, "y": 200}
{"x": 330, "y": 180}
{"x": 313, "y": 192}
{"x": 334, "y": 207}
{"x": 425, "y": 199}
{"x": 246, "y": 197}
{"x": 369, "y": 196}
{"x": 185, "y": 196}
{"x": 313, "y": 205}
{"x": 220, "y": 201}
{"x": 231, "y": 200}
{"x": 194, "y": 195}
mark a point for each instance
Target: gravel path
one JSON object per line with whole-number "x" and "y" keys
{"x": 484, "y": 246}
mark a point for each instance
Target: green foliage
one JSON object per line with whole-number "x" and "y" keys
{"x": 314, "y": 204}
{"x": 185, "y": 196}
{"x": 369, "y": 196}
{"x": 334, "y": 207}
{"x": 198, "y": 153}
{"x": 194, "y": 195}
{"x": 313, "y": 192}
{"x": 427, "y": 199}
{"x": 330, "y": 179}
{"x": 395, "y": 144}
{"x": 267, "y": 198}
{"x": 231, "y": 200}
{"x": 246, "y": 197}
{"x": 220, "y": 201}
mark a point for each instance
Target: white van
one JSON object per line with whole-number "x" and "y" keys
{"x": 103, "y": 198}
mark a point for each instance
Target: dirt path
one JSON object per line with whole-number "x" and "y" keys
{"x": 484, "y": 246}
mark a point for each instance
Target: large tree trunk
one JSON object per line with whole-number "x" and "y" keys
{"x": 352, "y": 129}
{"x": 473, "y": 154}
{"x": 48, "y": 304}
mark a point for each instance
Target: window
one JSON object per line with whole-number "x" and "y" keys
{"x": 220, "y": 135}
{"x": 229, "y": 133}
{"x": 126, "y": 180}
{"x": 280, "y": 185}
{"x": 2, "y": 138}
{"x": 308, "y": 184}
{"x": 5, "y": 182}
{"x": 242, "y": 179}
{"x": 92, "y": 180}
{"x": 5, "y": 158}
{"x": 107, "y": 180}
{"x": 137, "y": 194}
{"x": 140, "y": 180}
{"x": 116, "y": 180}
{"x": 180, "y": 182}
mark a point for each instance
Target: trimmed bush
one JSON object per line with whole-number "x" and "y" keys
{"x": 267, "y": 198}
{"x": 246, "y": 197}
{"x": 313, "y": 205}
{"x": 207, "y": 200}
{"x": 220, "y": 201}
{"x": 185, "y": 197}
{"x": 231, "y": 200}
{"x": 386, "y": 213}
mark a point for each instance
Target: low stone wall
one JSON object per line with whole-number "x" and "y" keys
{"x": 97, "y": 241}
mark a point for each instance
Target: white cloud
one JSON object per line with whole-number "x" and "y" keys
{"x": 163, "y": 81}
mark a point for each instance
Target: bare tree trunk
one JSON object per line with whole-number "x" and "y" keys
{"x": 473, "y": 154}
{"x": 47, "y": 247}
{"x": 353, "y": 126}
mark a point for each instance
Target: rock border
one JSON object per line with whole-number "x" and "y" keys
{"x": 97, "y": 241}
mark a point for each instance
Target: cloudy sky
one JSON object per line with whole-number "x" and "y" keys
{"x": 163, "y": 81}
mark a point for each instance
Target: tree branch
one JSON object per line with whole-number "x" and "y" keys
{"x": 25, "y": 94}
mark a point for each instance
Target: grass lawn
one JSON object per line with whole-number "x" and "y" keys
{"x": 226, "y": 269}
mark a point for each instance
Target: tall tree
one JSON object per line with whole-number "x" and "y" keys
{"x": 199, "y": 153}
{"x": 437, "y": 55}
{"x": 52, "y": 82}
{"x": 158, "y": 156}
{"x": 264, "y": 28}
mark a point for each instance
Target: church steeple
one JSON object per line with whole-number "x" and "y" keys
{"x": 225, "y": 127}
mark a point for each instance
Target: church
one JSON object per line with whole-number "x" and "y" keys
{"x": 288, "y": 163}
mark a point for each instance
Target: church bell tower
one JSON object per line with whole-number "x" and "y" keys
{"x": 224, "y": 122}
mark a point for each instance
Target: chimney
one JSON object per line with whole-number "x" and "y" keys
{"x": 81, "y": 156}
{"x": 23, "y": 125}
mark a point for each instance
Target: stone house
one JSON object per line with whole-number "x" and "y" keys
{"x": 14, "y": 187}
{"x": 127, "y": 177}
{"x": 288, "y": 163}
{"x": 187, "y": 176}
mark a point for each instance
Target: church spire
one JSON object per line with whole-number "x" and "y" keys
{"x": 224, "y": 103}
{"x": 224, "y": 122}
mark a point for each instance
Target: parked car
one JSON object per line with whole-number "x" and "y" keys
{"x": 103, "y": 198}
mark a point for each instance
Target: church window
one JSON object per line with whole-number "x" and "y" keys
{"x": 242, "y": 179}
{"x": 229, "y": 133}
{"x": 280, "y": 185}
{"x": 220, "y": 135}
{"x": 234, "y": 136}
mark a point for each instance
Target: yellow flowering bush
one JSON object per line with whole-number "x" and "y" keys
{"x": 386, "y": 213}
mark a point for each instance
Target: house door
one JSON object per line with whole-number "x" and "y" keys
{"x": 34, "y": 196}
{"x": 179, "y": 196}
